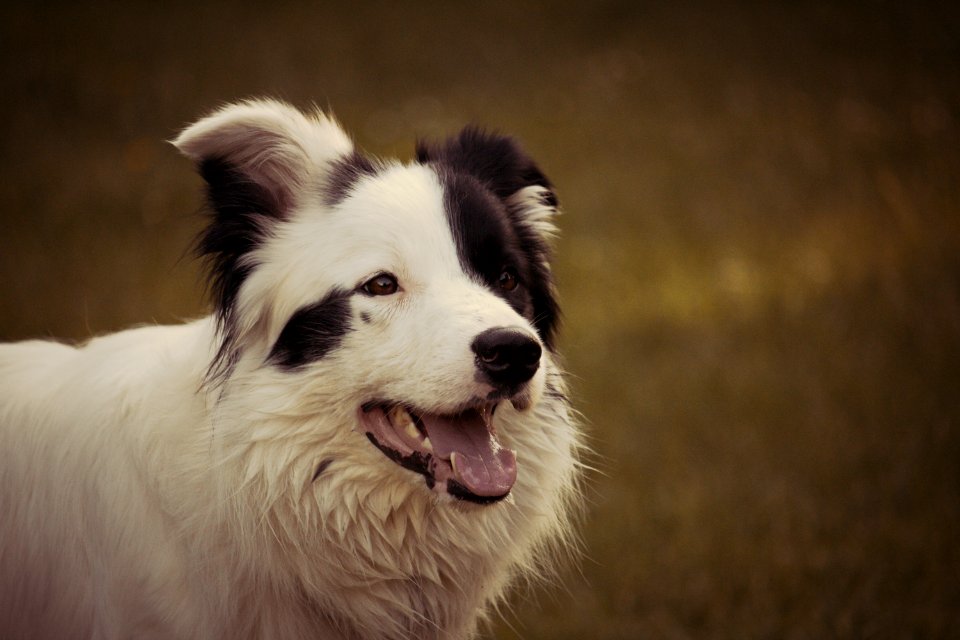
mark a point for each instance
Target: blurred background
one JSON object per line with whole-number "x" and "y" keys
{"x": 759, "y": 261}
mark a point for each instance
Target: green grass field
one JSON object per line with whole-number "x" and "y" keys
{"x": 760, "y": 264}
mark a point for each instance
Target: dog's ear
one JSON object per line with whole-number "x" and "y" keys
{"x": 259, "y": 158}
{"x": 497, "y": 161}
{"x": 500, "y": 164}
{"x": 261, "y": 148}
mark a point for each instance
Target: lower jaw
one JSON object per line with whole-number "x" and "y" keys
{"x": 460, "y": 492}
{"x": 425, "y": 465}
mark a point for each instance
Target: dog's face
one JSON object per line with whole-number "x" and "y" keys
{"x": 417, "y": 296}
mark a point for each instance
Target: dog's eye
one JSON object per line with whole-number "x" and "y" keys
{"x": 382, "y": 284}
{"x": 508, "y": 279}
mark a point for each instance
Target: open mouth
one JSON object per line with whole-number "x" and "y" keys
{"x": 460, "y": 451}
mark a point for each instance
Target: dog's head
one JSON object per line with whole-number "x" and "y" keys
{"x": 416, "y": 296}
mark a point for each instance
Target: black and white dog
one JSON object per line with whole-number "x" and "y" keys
{"x": 369, "y": 438}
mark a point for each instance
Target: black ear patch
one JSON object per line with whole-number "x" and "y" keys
{"x": 479, "y": 172}
{"x": 240, "y": 213}
{"x": 496, "y": 161}
{"x": 239, "y": 210}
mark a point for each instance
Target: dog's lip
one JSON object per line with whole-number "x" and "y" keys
{"x": 460, "y": 451}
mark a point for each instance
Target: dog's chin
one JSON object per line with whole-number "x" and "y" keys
{"x": 458, "y": 454}
{"x": 523, "y": 400}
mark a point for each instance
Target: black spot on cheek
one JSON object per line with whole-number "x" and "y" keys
{"x": 312, "y": 332}
{"x": 365, "y": 317}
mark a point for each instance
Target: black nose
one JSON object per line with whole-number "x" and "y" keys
{"x": 508, "y": 356}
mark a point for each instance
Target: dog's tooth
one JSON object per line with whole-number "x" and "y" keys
{"x": 453, "y": 462}
{"x": 399, "y": 416}
{"x": 411, "y": 430}
{"x": 402, "y": 420}
{"x": 427, "y": 444}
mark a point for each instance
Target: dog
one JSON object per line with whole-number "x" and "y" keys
{"x": 368, "y": 437}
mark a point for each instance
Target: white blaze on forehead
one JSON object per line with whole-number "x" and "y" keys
{"x": 392, "y": 221}
{"x": 397, "y": 221}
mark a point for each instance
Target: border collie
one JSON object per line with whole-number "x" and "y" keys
{"x": 369, "y": 437}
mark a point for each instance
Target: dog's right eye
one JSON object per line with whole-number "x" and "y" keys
{"x": 382, "y": 284}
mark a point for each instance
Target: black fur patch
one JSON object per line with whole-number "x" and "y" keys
{"x": 240, "y": 211}
{"x": 312, "y": 332}
{"x": 479, "y": 172}
{"x": 486, "y": 242}
{"x": 496, "y": 161}
{"x": 344, "y": 174}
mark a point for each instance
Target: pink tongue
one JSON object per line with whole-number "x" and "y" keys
{"x": 480, "y": 462}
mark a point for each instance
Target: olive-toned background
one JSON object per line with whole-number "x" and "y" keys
{"x": 760, "y": 263}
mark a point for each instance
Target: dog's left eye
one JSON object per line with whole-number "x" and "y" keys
{"x": 507, "y": 279}
{"x": 382, "y": 284}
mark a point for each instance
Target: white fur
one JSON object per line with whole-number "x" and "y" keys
{"x": 141, "y": 499}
